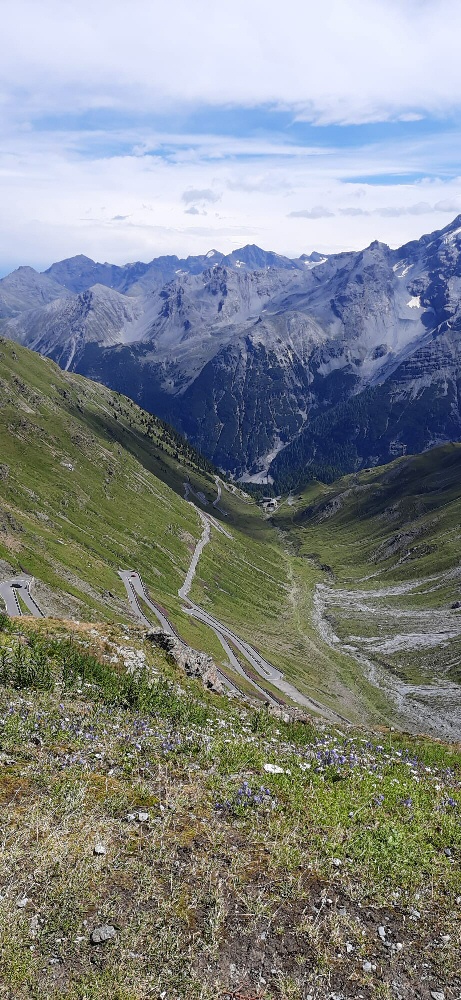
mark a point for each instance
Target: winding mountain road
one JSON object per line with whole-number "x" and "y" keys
{"x": 265, "y": 669}
{"x": 9, "y": 590}
{"x": 136, "y": 589}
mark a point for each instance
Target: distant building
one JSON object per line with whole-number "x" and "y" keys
{"x": 268, "y": 503}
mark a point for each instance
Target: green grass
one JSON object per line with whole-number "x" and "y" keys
{"x": 416, "y": 498}
{"x": 385, "y": 528}
{"x": 239, "y": 879}
{"x": 73, "y": 528}
{"x": 121, "y": 505}
{"x": 237, "y": 873}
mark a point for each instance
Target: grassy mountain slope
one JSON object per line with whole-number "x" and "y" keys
{"x": 226, "y": 853}
{"x": 387, "y": 546}
{"x": 90, "y": 484}
{"x": 86, "y": 489}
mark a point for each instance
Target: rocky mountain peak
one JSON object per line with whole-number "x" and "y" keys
{"x": 245, "y": 351}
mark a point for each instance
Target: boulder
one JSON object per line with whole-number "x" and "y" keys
{"x": 193, "y": 662}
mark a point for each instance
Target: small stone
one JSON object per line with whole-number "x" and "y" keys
{"x": 367, "y": 967}
{"x": 273, "y": 769}
{"x": 22, "y": 903}
{"x": 130, "y": 817}
{"x": 414, "y": 913}
{"x": 438, "y": 995}
{"x": 142, "y": 817}
{"x": 382, "y": 933}
{"x": 336, "y": 862}
{"x": 445, "y": 938}
{"x": 349, "y": 947}
{"x": 99, "y": 849}
{"x": 399, "y": 946}
{"x": 102, "y": 934}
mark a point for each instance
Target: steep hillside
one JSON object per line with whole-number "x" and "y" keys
{"x": 163, "y": 840}
{"x": 387, "y": 545}
{"x": 90, "y": 485}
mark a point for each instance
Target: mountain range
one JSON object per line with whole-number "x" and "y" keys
{"x": 275, "y": 369}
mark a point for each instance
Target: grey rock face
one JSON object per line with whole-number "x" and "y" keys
{"x": 194, "y": 663}
{"x": 25, "y": 289}
{"x": 270, "y": 366}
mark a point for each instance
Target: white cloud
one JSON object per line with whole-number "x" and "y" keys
{"x": 317, "y": 212}
{"x": 364, "y": 60}
{"x": 200, "y": 195}
{"x": 54, "y": 203}
{"x": 451, "y": 205}
{"x": 352, "y": 211}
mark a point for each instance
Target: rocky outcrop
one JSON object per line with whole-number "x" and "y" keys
{"x": 193, "y": 662}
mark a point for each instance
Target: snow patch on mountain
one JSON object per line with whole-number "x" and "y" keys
{"x": 403, "y": 267}
{"x": 314, "y": 263}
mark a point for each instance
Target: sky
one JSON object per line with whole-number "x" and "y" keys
{"x": 130, "y": 130}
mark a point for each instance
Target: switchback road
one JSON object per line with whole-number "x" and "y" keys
{"x": 9, "y": 591}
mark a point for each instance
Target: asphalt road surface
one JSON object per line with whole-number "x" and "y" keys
{"x": 265, "y": 669}
{"x": 9, "y": 591}
{"x": 135, "y": 588}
